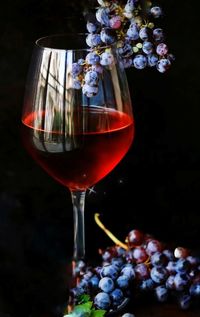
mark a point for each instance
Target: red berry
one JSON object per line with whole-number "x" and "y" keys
{"x": 141, "y": 271}
{"x": 180, "y": 252}
{"x": 140, "y": 255}
{"x": 135, "y": 237}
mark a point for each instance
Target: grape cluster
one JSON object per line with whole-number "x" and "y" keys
{"x": 131, "y": 25}
{"x": 145, "y": 265}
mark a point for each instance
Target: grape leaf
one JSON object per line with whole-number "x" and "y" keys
{"x": 83, "y": 298}
{"x": 86, "y": 307}
{"x": 97, "y": 313}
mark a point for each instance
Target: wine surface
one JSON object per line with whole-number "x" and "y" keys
{"x": 82, "y": 149}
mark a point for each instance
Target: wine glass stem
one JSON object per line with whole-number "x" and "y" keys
{"x": 78, "y": 201}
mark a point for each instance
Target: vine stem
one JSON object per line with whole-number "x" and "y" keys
{"x": 109, "y": 233}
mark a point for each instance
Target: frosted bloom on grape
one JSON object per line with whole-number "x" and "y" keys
{"x": 161, "y": 293}
{"x": 108, "y": 36}
{"x": 107, "y": 59}
{"x": 97, "y": 68}
{"x": 144, "y": 33}
{"x": 181, "y": 281}
{"x": 163, "y": 65}
{"x": 93, "y": 40}
{"x": 152, "y": 60}
{"x": 91, "y": 78}
{"x": 92, "y": 58}
{"x": 90, "y": 91}
{"x": 76, "y": 69}
{"x": 76, "y": 84}
{"x": 140, "y": 61}
{"x": 91, "y": 27}
{"x": 132, "y": 32}
{"x": 130, "y": 6}
{"x": 81, "y": 61}
{"x": 102, "y": 16}
{"x": 147, "y": 47}
{"x": 156, "y": 12}
{"x": 127, "y": 62}
{"x": 158, "y": 34}
{"x": 115, "y": 22}
{"x": 106, "y": 284}
{"x": 162, "y": 49}
{"x": 102, "y": 301}
{"x": 126, "y": 50}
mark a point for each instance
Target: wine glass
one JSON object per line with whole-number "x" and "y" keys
{"x": 76, "y": 139}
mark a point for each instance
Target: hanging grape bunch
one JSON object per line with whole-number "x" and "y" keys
{"x": 142, "y": 264}
{"x": 132, "y": 27}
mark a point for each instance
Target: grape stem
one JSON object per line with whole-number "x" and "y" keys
{"x": 109, "y": 234}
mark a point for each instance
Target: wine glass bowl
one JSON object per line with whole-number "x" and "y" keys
{"x": 76, "y": 139}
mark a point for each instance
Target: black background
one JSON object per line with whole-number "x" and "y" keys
{"x": 155, "y": 188}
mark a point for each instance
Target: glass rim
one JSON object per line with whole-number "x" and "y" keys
{"x": 70, "y": 35}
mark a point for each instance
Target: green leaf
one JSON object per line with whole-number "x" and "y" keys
{"x": 98, "y": 313}
{"x": 83, "y": 307}
{"x": 83, "y": 298}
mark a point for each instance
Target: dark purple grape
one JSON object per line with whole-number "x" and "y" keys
{"x": 147, "y": 285}
{"x": 169, "y": 254}
{"x": 102, "y": 16}
{"x": 92, "y": 58}
{"x": 170, "y": 282}
{"x": 182, "y": 265}
{"x": 158, "y": 34}
{"x": 158, "y": 259}
{"x": 156, "y": 12}
{"x": 126, "y": 50}
{"x": 123, "y": 281}
{"x": 102, "y": 301}
{"x": 163, "y": 65}
{"x": 152, "y": 59}
{"x": 195, "y": 289}
{"x": 108, "y": 36}
{"x": 158, "y": 274}
{"x": 139, "y": 255}
{"x": 91, "y": 78}
{"x": 181, "y": 281}
{"x": 109, "y": 271}
{"x": 118, "y": 262}
{"x": 140, "y": 61}
{"x": 76, "y": 69}
{"x": 162, "y": 49}
{"x": 107, "y": 59}
{"x": 153, "y": 246}
{"x": 117, "y": 297}
{"x": 141, "y": 271}
{"x": 184, "y": 301}
{"x": 128, "y": 271}
{"x": 171, "y": 267}
{"x": 148, "y": 47}
{"x": 161, "y": 293}
{"x": 106, "y": 284}
{"x": 94, "y": 282}
{"x": 93, "y": 40}
{"x": 91, "y": 27}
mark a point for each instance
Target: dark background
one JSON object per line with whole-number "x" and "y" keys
{"x": 155, "y": 188}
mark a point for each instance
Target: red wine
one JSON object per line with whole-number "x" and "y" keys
{"x": 78, "y": 157}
